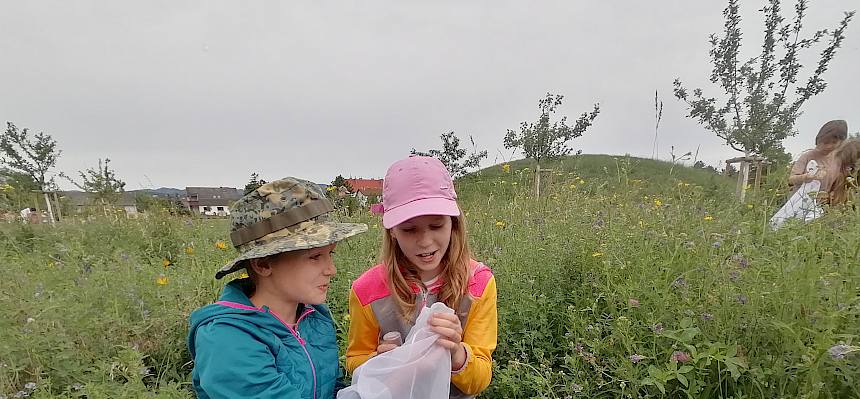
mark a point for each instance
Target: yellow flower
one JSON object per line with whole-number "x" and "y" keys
{"x": 500, "y": 224}
{"x": 581, "y": 181}
{"x": 708, "y": 218}
{"x": 220, "y": 245}
{"x": 658, "y": 203}
{"x": 513, "y": 183}
{"x": 506, "y": 168}
{"x": 165, "y": 262}
{"x": 161, "y": 280}
{"x": 6, "y": 187}
{"x": 189, "y": 250}
{"x": 331, "y": 188}
{"x": 750, "y": 206}
{"x": 597, "y": 254}
{"x": 244, "y": 275}
{"x": 573, "y": 186}
{"x": 503, "y": 182}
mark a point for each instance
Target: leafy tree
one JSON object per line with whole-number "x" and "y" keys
{"x": 762, "y": 95}
{"x": 453, "y": 157}
{"x": 101, "y": 182}
{"x": 254, "y": 183}
{"x": 33, "y": 157}
{"x": 543, "y": 139}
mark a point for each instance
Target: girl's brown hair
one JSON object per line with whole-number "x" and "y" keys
{"x": 848, "y": 158}
{"x": 401, "y": 274}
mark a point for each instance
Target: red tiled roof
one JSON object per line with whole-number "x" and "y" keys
{"x": 366, "y": 186}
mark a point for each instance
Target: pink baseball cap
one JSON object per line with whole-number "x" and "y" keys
{"x": 416, "y": 186}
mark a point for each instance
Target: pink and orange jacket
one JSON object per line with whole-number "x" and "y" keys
{"x": 373, "y": 312}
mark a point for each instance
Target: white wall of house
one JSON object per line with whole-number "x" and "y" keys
{"x": 220, "y": 210}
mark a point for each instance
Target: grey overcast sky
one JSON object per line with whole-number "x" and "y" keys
{"x": 188, "y": 93}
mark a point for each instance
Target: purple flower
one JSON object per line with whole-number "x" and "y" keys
{"x": 633, "y": 302}
{"x": 636, "y": 358}
{"x": 735, "y": 275}
{"x": 707, "y": 316}
{"x": 838, "y": 352}
{"x": 741, "y": 260}
{"x": 681, "y": 357}
{"x": 658, "y": 328}
{"x": 742, "y": 299}
{"x": 679, "y": 283}
{"x": 717, "y": 244}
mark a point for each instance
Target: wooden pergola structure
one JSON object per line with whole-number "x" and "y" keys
{"x": 746, "y": 163}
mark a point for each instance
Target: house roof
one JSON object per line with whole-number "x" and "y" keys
{"x": 213, "y": 196}
{"x": 366, "y": 186}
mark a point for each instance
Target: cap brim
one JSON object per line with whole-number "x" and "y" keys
{"x": 318, "y": 235}
{"x": 422, "y": 207}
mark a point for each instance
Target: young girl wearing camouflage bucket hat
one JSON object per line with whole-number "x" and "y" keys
{"x": 270, "y": 335}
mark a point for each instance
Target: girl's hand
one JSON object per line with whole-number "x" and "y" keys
{"x": 447, "y": 325}
{"x": 382, "y": 348}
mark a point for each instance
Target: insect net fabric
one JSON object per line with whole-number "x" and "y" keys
{"x": 802, "y": 204}
{"x": 418, "y": 369}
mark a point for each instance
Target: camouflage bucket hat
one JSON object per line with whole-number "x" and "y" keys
{"x": 285, "y": 215}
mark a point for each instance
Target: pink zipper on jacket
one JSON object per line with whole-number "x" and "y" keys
{"x": 294, "y": 331}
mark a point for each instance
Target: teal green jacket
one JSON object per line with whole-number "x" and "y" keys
{"x": 240, "y": 351}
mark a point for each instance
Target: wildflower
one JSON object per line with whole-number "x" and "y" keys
{"x": 658, "y": 328}
{"x": 220, "y": 245}
{"x": 598, "y": 223}
{"x": 735, "y": 275}
{"x": 636, "y": 358}
{"x": 581, "y": 181}
{"x": 717, "y": 244}
{"x": 658, "y": 203}
{"x": 30, "y": 320}
{"x": 244, "y": 275}
{"x": 838, "y": 352}
{"x": 30, "y": 386}
{"x": 77, "y": 387}
{"x": 597, "y": 254}
{"x": 679, "y": 283}
{"x": 514, "y": 183}
{"x": 331, "y": 188}
{"x": 708, "y": 218}
{"x": 576, "y": 388}
{"x": 500, "y": 224}
{"x": 573, "y": 186}
{"x": 166, "y": 262}
{"x": 161, "y": 280}
{"x": 633, "y": 302}
{"x": 503, "y": 182}
{"x": 681, "y": 357}
{"x": 750, "y": 206}
{"x": 189, "y": 250}
{"x": 742, "y": 299}
{"x": 742, "y": 262}
{"x": 506, "y": 168}
{"x": 707, "y": 316}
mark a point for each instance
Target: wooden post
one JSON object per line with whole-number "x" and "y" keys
{"x": 59, "y": 208}
{"x": 50, "y": 208}
{"x": 758, "y": 166}
{"x": 537, "y": 181}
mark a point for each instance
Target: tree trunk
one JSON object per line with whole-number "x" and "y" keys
{"x": 537, "y": 181}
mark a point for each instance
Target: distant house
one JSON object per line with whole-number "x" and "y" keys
{"x": 211, "y": 201}
{"x": 82, "y": 202}
{"x": 366, "y": 189}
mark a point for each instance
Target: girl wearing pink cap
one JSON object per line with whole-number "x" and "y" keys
{"x": 425, "y": 259}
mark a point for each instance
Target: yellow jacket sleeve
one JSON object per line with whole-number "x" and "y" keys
{"x": 479, "y": 338}
{"x": 363, "y": 333}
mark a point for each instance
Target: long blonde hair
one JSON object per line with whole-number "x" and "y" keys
{"x": 848, "y": 158}
{"x": 401, "y": 274}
